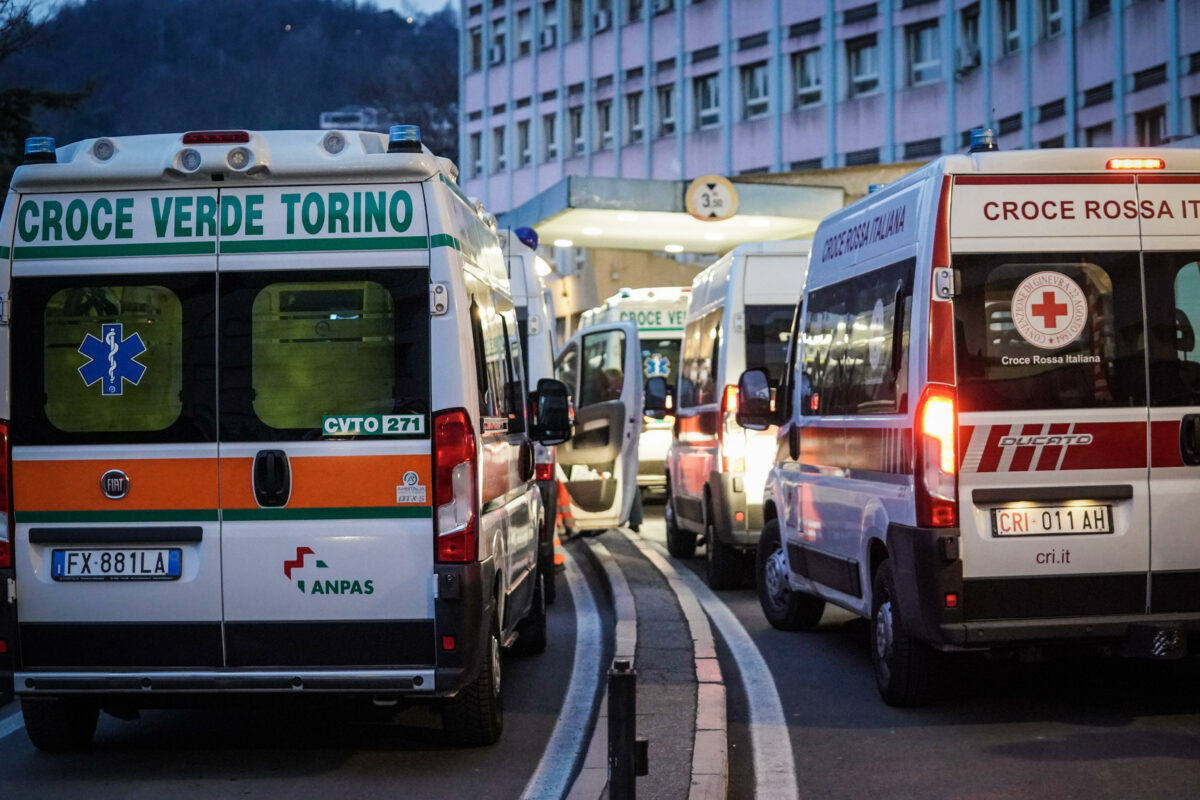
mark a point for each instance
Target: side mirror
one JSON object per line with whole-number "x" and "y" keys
{"x": 657, "y": 401}
{"x": 755, "y": 410}
{"x": 554, "y": 421}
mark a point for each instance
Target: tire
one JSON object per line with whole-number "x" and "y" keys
{"x": 531, "y": 631}
{"x": 785, "y": 609}
{"x": 680, "y": 543}
{"x": 475, "y": 716}
{"x": 56, "y": 725}
{"x": 905, "y": 667}
{"x": 723, "y": 562}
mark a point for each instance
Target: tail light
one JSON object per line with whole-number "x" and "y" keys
{"x": 543, "y": 462}
{"x": 6, "y": 510}
{"x": 731, "y": 435}
{"x": 455, "y": 486}
{"x": 937, "y": 459}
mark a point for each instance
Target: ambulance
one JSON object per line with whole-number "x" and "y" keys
{"x": 264, "y": 429}
{"x": 990, "y": 425}
{"x": 659, "y": 313}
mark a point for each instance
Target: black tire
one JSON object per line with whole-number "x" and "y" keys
{"x": 531, "y": 631}
{"x": 55, "y": 725}
{"x": 785, "y": 609}
{"x": 906, "y": 668}
{"x": 475, "y": 716}
{"x": 723, "y": 562}
{"x": 680, "y": 543}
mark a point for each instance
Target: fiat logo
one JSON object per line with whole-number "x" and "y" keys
{"x": 114, "y": 484}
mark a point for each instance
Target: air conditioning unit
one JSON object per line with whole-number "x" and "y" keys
{"x": 601, "y": 21}
{"x": 496, "y": 54}
{"x": 967, "y": 57}
{"x": 548, "y": 37}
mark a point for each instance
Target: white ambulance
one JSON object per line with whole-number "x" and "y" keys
{"x": 659, "y": 313}
{"x": 740, "y": 314}
{"x": 264, "y": 427}
{"x": 991, "y": 426}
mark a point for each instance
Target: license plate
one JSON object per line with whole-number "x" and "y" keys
{"x": 134, "y": 564}
{"x": 1052, "y": 520}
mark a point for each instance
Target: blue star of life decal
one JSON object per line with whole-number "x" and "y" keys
{"x": 657, "y": 364}
{"x": 111, "y": 359}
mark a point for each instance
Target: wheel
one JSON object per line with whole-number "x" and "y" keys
{"x": 724, "y": 562}
{"x": 680, "y": 543}
{"x": 55, "y": 725}
{"x": 784, "y": 609}
{"x": 475, "y": 716}
{"x": 531, "y": 631}
{"x": 905, "y": 667}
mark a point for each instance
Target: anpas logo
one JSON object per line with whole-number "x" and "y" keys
{"x": 323, "y": 587}
{"x": 111, "y": 359}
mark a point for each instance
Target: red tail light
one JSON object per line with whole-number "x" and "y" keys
{"x": 455, "y": 486}
{"x": 216, "y": 137}
{"x": 937, "y": 458}
{"x": 732, "y": 436}
{"x": 543, "y": 464}
{"x": 6, "y": 509}
{"x": 543, "y": 472}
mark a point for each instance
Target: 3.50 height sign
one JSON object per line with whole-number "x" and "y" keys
{"x": 710, "y": 198}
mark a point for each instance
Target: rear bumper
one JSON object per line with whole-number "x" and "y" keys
{"x": 729, "y": 498}
{"x": 145, "y": 684}
{"x": 993, "y": 633}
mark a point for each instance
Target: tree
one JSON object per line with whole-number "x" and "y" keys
{"x": 18, "y": 31}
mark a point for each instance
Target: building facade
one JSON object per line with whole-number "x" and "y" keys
{"x": 673, "y": 89}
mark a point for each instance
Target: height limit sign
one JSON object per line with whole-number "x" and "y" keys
{"x": 710, "y": 198}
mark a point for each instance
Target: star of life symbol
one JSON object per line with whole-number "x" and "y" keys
{"x": 657, "y": 364}
{"x": 111, "y": 359}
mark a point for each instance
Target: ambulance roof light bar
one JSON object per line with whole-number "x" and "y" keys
{"x": 40, "y": 150}
{"x": 1136, "y": 163}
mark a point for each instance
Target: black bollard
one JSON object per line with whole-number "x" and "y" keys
{"x": 622, "y": 731}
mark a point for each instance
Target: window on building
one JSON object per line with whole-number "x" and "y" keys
{"x": 499, "y": 154}
{"x": 496, "y": 53}
{"x": 806, "y": 78}
{"x": 1010, "y": 26}
{"x": 968, "y": 56}
{"x": 575, "y": 122}
{"x": 1196, "y": 114}
{"x": 548, "y": 37}
{"x": 1151, "y": 126}
{"x": 602, "y": 16}
{"x": 1099, "y": 135}
{"x": 664, "y": 105}
{"x": 549, "y": 137}
{"x": 524, "y": 145}
{"x": 475, "y": 154}
{"x": 634, "y": 10}
{"x": 924, "y": 45}
{"x": 475, "y": 49}
{"x": 1057, "y": 141}
{"x": 756, "y": 101}
{"x": 862, "y": 60}
{"x": 574, "y": 19}
{"x": 1097, "y": 7}
{"x": 663, "y": 6}
{"x": 604, "y": 125}
{"x": 707, "y": 101}
{"x": 1050, "y": 16}
{"x": 634, "y": 127}
{"x": 524, "y": 32}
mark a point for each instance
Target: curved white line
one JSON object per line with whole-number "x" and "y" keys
{"x": 552, "y": 778}
{"x": 12, "y": 723}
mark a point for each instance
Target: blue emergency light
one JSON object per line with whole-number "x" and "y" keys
{"x": 40, "y": 150}
{"x": 404, "y": 139}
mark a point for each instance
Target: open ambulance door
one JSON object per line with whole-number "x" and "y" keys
{"x": 601, "y": 367}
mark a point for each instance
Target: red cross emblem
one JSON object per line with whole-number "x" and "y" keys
{"x": 1049, "y": 310}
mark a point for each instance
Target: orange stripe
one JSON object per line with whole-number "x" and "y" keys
{"x": 330, "y": 481}
{"x": 161, "y": 483}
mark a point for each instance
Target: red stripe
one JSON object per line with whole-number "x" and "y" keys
{"x": 965, "y": 432}
{"x": 1164, "y": 444}
{"x": 1115, "y": 445}
{"x": 1011, "y": 180}
{"x": 1050, "y": 454}
{"x": 940, "y": 366}
{"x": 1023, "y": 456}
{"x": 992, "y": 451}
{"x": 1168, "y": 178}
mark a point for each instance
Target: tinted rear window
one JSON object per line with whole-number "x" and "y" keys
{"x": 1046, "y": 331}
{"x": 660, "y": 358}
{"x": 1173, "y": 309}
{"x": 768, "y": 332}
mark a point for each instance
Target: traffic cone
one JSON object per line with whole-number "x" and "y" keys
{"x": 564, "y": 520}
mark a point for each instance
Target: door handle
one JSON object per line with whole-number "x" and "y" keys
{"x": 272, "y": 478}
{"x": 1189, "y": 439}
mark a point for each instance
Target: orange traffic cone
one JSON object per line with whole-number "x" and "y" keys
{"x": 564, "y": 520}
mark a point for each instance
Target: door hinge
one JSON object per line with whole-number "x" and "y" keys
{"x": 947, "y": 283}
{"x": 4, "y": 308}
{"x": 12, "y": 591}
{"x": 439, "y": 299}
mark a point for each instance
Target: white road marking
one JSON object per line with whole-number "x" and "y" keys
{"x": 551, "y": 779}
{"x": 774, "y": 768}
{"x": 12, "y": 723}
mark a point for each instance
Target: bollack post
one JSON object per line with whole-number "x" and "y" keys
{"x": 622, "y": 731}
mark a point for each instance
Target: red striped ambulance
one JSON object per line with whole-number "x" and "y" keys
{"x": 991, "y": 423}
{"x": 264, "y": 429}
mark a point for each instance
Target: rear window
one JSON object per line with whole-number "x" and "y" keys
{"x": 1049, "y": 331}
{"x": 1173, "y": 309}
{"x": 768, "y": 332}
{"x": 660, "y": 359}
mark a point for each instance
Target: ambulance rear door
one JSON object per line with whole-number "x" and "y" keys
{"x": 1170, "y": 206}
{"x": 113, "y": 430}
{"x": 602, "y": 369}
{"x": 326, "y": 476}
{"x": 1054, "y": 501}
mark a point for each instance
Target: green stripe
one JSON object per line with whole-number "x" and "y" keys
{"x": 193, "y": 515}
{"x": 30, "y": 252}
{"x": 381, "y": 512}
{"x": 444, "y": 240}
{"x": 4, "y": 252}
{"x": 660, "y": 330}
{"x": 454, "y": 187}
{"x": 323, "y": 245}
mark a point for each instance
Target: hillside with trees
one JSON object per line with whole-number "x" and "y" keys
{"x": 152, "y": 66}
